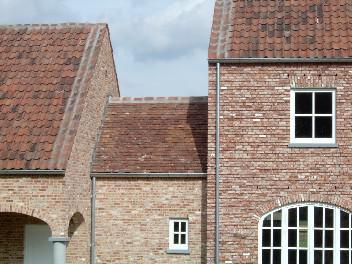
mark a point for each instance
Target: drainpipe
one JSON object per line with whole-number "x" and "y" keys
{"x": 92, "y": 228}
{"x": 217, "y": 167}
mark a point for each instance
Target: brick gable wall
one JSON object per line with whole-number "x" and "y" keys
{"x": 259, "y": 172}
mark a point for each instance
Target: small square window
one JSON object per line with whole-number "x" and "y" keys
{"x": 178, "y": 234}
{"x": 313, "y": 116}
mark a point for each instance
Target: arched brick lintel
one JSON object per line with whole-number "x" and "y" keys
{"x": 335, "y": 200}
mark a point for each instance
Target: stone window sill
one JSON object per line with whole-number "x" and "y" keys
{"x": 312, "y": 145}
{"x": 176, "y": 251}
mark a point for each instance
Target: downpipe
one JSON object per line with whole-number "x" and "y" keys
{"x": 92, "y": 223}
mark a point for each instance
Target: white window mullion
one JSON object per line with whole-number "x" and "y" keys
{"x": 336, "y": 236}
{"x": 284, "y": 234}
{"x": 313, "y": 115}
{"x": 310, "y": 234}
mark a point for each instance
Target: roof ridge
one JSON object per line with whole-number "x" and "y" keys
{"x": 55, "y": 25}
{"x": 159, "y": 99}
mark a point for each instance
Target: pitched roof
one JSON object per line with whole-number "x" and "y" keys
{"x": 44, "y": 70}
{"x": 164, "y": 135}
{"x": 281, "y": 29}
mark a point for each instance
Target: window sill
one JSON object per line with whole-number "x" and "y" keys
{"x": 178, "y": 251}
{"x": 313, "y": 145}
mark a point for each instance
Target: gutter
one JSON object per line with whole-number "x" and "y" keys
{"x": 280, "y": 60}
{"x": 217, "y": 167}
{"x": 33, "y": 172}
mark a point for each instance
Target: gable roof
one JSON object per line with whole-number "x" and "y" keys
{"x": 155, "y": 135}
{"x": 44, "y": 70}
{"x": 281, "y": 29}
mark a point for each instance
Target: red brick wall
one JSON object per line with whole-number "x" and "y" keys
{"x": 259, "y": 172}
{"x": 12, "y": 227}
{"x": 132, "y": 219}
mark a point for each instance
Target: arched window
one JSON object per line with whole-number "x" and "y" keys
{"x": 306, "y": 234}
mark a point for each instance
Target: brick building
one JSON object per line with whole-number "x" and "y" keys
{"x": 257, "y": 172}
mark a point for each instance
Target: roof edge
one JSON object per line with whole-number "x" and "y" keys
{"x": 148, "y": 174}
{"x": 171, "y": 99}
{"x": 66, "y": 24}
{"x": 279, "y": 60}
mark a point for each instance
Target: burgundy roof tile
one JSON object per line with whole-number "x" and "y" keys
{"x": 281, "y": 29}
{"x": 39, "y": 94}
{"x": 154, "y": 135}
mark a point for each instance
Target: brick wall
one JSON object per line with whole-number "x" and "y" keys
{"x": 259, "y": 172}
{"x": 132, "y": 219}
{"x": 12, "y": 227}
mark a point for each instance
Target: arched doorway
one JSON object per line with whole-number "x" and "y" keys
{"x": 24, "y": 239}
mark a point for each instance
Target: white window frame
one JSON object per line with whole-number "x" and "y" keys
{"x": 312, "y": 140}
{"x": 172, "y": 245}
{"x": 311, "y": 228}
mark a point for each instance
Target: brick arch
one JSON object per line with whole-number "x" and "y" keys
{"x": 333, "y": 200}
{"x": 36, "y": 213}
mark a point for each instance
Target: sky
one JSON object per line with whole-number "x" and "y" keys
{"x": 160, "y": 46}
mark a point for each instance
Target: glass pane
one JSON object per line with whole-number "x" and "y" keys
{"x": 329, "y": 217}
{"x": 323, "y": 127}
{"x": 277, "y": 256}
{"x": 292, "y": 217}
{"x": 329, "y": 238}
{"x": 303, "y": 216}
{"x": 266, "y": 256}
{"x": 176, "y": 226}
{"x": 277, "y": 218}
{"x": 318, "y": 257}
{"x": 183, "y": 226}
{"x": 267, "y": 221}
{"x": 328, "y": 257}
{"x": 344, "y": 219}
{"x": 266, "y": 238}
{"x": 176, "y": 241}
{"x": 277, "y": 238}
{"x": 292, "y": 238}
{"x": 303, "y": 103}
{"x": 318, "y": 216}
{"x": 303, "y": 238}
{"x": 292, "y": 256}
{"x": 303, "y": 127}
{"x": 343, "y": 257}
{"x": 318, "y": 238}
{"x": 183, "y": 239}
{"x": 303, "y": 257}
{"x": 344, "y": 241}
{"x": 323, "y": 103}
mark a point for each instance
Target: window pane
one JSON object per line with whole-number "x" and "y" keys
{"x": 328, "y": 257}
{"x": 303, "y": 257}
{"x": 176, "y": 241}
{"x": 292, "y": 238}
{"x": 344, "y": 257}
{"x": 292, "y": 256}
{"x": 176, "y": 226}
{"x": 344, "y": 219}
{"x": 303, "y": 103}
{"x": 292, "y": 217}
{"x": 323, "y": 103}
{"x": 323, "y": 127}
{"x": 318, "y": 257}
{"x": 303, "y": 238}
{"x": 277, "y": 238}
{"x": 318, "y": 216}
{"x": 183, "y": 226}
{"x": 266, "y": 238}
{"x": 329, "y": 217}
{"x": 266, "y": 256}
{"x": 277, "y": 256}
{"x": 183, "y": 239}
{"x": 277, "y": 219}
{"x": 267, "y": 221}
{"x": 329, "y": 238}
{"x": 303, "y": 127}
{"x": 344, "y": 241}
{"x": 318, "y": 238}
{"x": 303, "y": 216}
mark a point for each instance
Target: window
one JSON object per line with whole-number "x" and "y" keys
{"x": 306, "y": 234}
{"x": 178, "y": 235}
{"x": 313, "y": 116}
